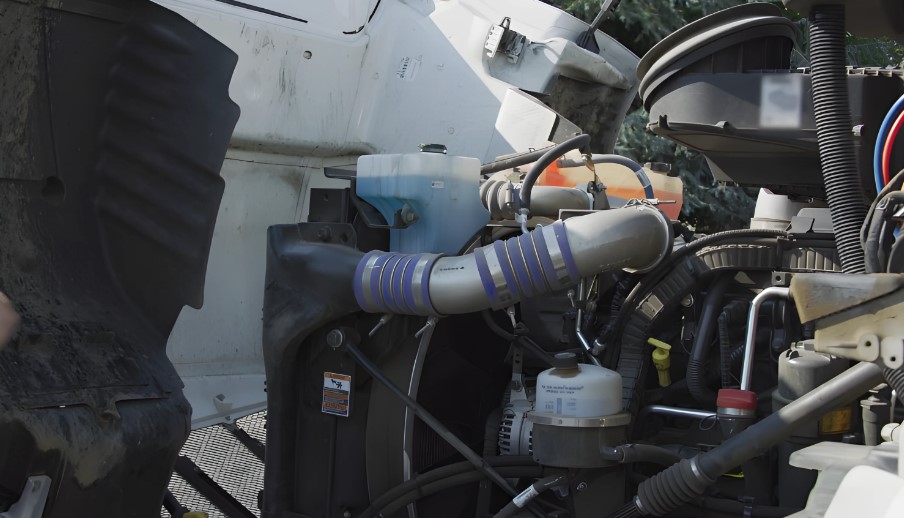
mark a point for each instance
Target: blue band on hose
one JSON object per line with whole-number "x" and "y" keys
{"x": 407, "y": 281}
{"x": 562, "y": 238}
{"x": 486, "y": 278}
{"x": 549, "y": 270}
{"x": 389, "y": 296}
{"x": 425, "y": 287}
{"x": 375, "y": 277}
{"x": 506, "y": 267}
{"x": 533, "y": 263}
{"x": 518, "y": 265}
{"x": 359, "y": 279}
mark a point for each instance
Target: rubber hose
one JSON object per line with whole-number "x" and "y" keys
{"x": 874, "y": 253}
{"x": 635, "y": 168}
{"x": 654, "y": 276}
{"x": 509, "y": 162}
{"x": 414, "y": 484}
{"x": 894, "y": 185}
{"x": 706, "y": 326}
{"x": 548, "y": 158}
{"x": 679, "y": 484}
{"x": 895, "y": 379}
{"x": 427, "y": 418}
{"x": 725, "y": 349}
{"x": 896, "y": 256}
{"x": 443, "y": 484}
{"x": 834, "y": 133}
{"x": 535, "y": 489}
{"x": 631, "y": 453}
{"x": 546, "y": 259}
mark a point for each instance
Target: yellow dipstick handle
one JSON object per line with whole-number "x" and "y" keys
{"x": 661, "y": 360}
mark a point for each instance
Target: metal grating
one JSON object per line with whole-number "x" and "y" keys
{"x": 219, "y": 454}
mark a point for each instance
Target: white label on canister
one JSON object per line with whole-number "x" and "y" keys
{"x": 438, "y": 184}
{"x": 564, "y": 402}
{"x": 525, "y": 496}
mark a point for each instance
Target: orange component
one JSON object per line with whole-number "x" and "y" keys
{"x": 552, "y": 176}
{"x": 621, "y": 183}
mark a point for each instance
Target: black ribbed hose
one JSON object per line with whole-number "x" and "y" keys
{"x": 706, "y": 327}
{"x": 681, "y": 483}
{"x": 895, "y": 379}
{"x": 834, "y": 133}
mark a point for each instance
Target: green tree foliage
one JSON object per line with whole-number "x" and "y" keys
{"x": 640, "y": 24}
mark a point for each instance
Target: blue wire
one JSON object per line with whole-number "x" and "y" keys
{"x": 881, "y": 137}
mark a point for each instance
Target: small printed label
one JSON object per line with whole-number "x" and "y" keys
{"x": 336, "y": 394}
{"x": 408, "y": 68}
{"x": 437, "y": 184}
{"x": 565, "y": 402}
{"x": 836, "y": 422}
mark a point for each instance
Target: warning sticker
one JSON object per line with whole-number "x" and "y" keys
{"x": 336, "y": 394}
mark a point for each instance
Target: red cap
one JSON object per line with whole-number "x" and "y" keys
{"x": 736, "y": 398}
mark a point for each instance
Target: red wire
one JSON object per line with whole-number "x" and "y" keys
{"x": 889, "y": 145}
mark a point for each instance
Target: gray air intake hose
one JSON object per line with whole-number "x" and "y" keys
{"x": 501, "y": 274}
{"x": 498, "y": 197}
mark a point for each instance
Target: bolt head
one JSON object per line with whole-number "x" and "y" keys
{"x": 581, "y": 486}
{"x": 335, "y": 338}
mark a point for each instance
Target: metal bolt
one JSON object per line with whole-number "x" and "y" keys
{"x": 580, "y": 487}
{"x": 335, "y": 338}
{"x": 346, "y": 514}
{"x": 687, "y": 301}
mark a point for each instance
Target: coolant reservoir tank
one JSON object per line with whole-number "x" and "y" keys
{"x": 578, "y": 390}
{"x": 430, "y": 198}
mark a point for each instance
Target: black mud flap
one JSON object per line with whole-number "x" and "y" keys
{"x": 114, "y": 122}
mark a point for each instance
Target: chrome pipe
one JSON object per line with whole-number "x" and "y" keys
{"x": 750, "y": 342}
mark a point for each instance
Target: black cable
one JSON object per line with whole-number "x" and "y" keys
{"x": 495, "y": 327}
{"x": 651, "y": 279}
{"x": 449, "y": 482}
{"x": 635, "y": 168}
{"x": 896, "y": 183}
{"x": 528, "y": 157}
{"x": 435, "y": 424}
{"x": 631, "y": 453}
{"x": 682, "y": 482}
{"x": 896, "y": 256}
{"x": 548, "y": 158}
{"x": 875, "y": 253}
{"x": 416, "y": 484}
{"x": 705, "y": 329}
{"x": 538, "y": 487}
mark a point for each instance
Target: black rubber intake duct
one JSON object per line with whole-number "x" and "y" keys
{"x": 834, "y": 133}
{"x": 498, "y": 275}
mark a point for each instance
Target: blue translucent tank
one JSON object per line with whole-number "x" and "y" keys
{"x": 434, "y": 194}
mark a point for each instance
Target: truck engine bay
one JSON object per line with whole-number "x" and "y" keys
{"x": 401, "y": 228}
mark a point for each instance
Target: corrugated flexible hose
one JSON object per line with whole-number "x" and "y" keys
{"x": 834, "y": 133}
